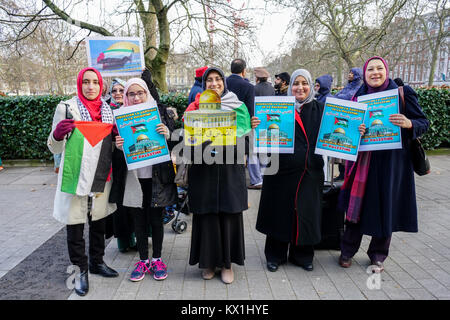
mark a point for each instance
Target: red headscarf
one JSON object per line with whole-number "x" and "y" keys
{"x": 93, "y": 106}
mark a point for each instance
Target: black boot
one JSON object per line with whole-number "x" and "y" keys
{"x": 103, "y": 270}
{"x": 82, "y": 287}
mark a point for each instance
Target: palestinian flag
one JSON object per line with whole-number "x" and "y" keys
{"x": 273, "y": 117}
{"x": 231, "y": 102}
{"x": 139, "y": 128}
{"x": 87, "y": 158}
{"x": 341, "y": 122}
{"x": 376, "y": 114}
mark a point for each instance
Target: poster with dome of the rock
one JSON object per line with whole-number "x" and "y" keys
{"x": 380, "y": 133}
{"x": 116, "y": 56}
{"x": 339, "y": 135}
{"x": 276, "y": 131}
{"x": 143, "y": 145}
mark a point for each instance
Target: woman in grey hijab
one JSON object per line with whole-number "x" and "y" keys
{"x": 290, "y": 205}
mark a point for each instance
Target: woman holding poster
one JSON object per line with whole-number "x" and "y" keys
{"x": 147, "y": 190}
{"x": 290, "y": 206}
{"x": 82, "y": 132}
{"x": 218, "y": 194}
{"x": 379, "y": 194}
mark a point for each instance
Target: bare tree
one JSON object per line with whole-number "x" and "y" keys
{"x": 353, "y": 25}
{"x": 157, "y": 18}
{"x": 433, "y": 26}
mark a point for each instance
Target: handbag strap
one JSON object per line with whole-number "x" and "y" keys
{"x": 401, "y": 93}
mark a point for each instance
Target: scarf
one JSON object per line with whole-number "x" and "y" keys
{"x": 139, "y": 82}
{"x": 93, "y": 106}
{"x": 386, "y": 82}
{"x": 114, "y": 104}
{"x": 305, "y": 74}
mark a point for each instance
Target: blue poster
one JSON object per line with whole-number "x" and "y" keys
{"x": 381, "y": 134}
{"x": 114, "y": 56}
{"x": 338, "y": 134}
{"x": 143, "y": 146}
{"x": 276, "y": 131}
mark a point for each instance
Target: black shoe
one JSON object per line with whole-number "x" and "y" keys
{"x": 272, "y": 266}
{"x": 82, "y": 287}
{"x": 307, "y": 267}
{"x": 103, "y": 270}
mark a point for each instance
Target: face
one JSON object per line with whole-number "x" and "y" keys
{"x": 90, "y": 85}
{"x": 117, "y": 93}
{"x": 278, "y": 81}
{"x": 316, "y": 87}
{"x": 136, "y": 94}
{"x": 300, "y": 88}
{"x": 214, "y": 82}
{"x": 351, "y": 76}
{"x": 375, "y": 73}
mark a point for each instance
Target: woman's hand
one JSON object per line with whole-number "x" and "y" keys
{"x": 119, "y": 142}
{"x": 255, "y": 122}
{"x": 400, "y": 120}
{"x": 62, "y": 128}
{"x": 362, "y": 129}
{"x": 161, "y": 128}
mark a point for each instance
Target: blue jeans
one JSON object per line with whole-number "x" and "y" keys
{"x": 254, "y": 170}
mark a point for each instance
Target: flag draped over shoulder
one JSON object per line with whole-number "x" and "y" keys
{"x": 231, "y": 102}
{"x": 87, "y": 158}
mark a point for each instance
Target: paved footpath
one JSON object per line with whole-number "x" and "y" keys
{"x": 418, "y": 266}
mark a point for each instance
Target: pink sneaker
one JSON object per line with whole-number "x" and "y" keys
{"x": 139, "y": 272}
{"x": 159, "y": 269}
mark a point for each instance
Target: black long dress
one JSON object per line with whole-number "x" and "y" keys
{"x": 217, "y": 197}
{"x": 290, "y": 205}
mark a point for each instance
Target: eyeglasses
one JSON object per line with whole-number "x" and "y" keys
{"x": 216, "y": 79}
{"x": 133, "y": 95}
{"x": 117, "y": 91}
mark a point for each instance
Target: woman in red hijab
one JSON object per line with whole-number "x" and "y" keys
{"x": 92, "y": 164}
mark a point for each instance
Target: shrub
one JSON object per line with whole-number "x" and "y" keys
{"x": 25, "y": 121}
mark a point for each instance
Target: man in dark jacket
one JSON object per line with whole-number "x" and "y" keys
{"x": 197, "y": 87}
{"x": 237, "y": 84}
{"x": 323, "y": 87}
{"x": 282, "y": 83}
{"x": 262, "y": 87}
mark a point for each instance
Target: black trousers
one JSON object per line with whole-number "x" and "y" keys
{"x": 145, "y": 218}
{"x": 76, "y": 243}
{"x": 277, "y": 251}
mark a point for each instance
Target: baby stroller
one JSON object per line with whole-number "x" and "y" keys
{"x": 173, "y": 212}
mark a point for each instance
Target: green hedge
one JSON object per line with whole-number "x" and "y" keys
{"x": 25, "y": 121}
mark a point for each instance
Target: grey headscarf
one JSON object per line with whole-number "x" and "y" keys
{"x": 305, "y": 74}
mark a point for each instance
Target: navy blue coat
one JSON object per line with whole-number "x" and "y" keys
{"x": 244, "y": 90}
{"x": 353, "y": 86}
{"x": 389, "y": 202}
{"x": 325, "y": 82}
{"x": 196, "y": 88}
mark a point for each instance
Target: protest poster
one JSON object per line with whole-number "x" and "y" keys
{"x": 380, "y": 134}
{"x": 210, "y": 123}
{"x": 114, "y": 56}
{"x": 276, "y": 131}
{"x": 143, "y": 146}
{"x": 339, "y": 136}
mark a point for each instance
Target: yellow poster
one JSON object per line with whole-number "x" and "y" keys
{"x": 209, "y": 123}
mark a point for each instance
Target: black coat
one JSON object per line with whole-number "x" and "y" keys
{"x": 300, "y": 178}
{"x": 244, "y": 90}
{"x": 164, "y": 190}
{"x": 389, "y": 202}
{"x": 264, "y": 89}
{"x": 215, "y": 188}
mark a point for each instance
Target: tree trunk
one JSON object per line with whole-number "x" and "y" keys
{"x": 434, "y": 58}
{"x": 339, "y": 72}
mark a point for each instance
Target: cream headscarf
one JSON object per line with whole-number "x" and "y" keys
{"x": 305, "y": 74}
{"x": 139, "y": 82}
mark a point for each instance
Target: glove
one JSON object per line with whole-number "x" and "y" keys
{"x": 62, "y": 128}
